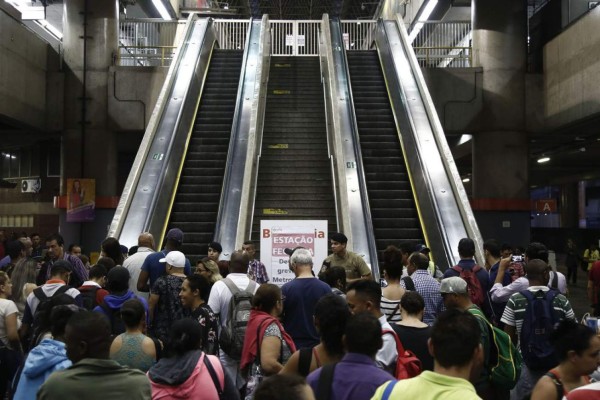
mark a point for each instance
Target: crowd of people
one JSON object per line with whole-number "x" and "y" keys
{"x": 145, "y": 323}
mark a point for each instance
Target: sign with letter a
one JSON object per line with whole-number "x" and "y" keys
{"x": 277, "y": 235}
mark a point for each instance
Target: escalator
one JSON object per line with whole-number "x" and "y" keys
{"x": 200, "y": 184}
{"x": 294, "y": 176}
{"x": 393, "y": 210}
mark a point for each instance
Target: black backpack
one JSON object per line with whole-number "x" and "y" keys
{"x": 88, "y": 297}
{"x": 117, "y": 326}
{"x": 42, "y": 309}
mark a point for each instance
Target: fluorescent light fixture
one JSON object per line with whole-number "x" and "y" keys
{"x": 162, "y": 10}
{"x": 424, "y": 16}
{"x": 543, "y": 160}
{"x": 464, "y": 138}
{"x": 465, "y": 180}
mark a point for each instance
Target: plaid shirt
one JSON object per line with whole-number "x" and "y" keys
{"x": 257, "y": 272}
{"x": 429, "y": 288}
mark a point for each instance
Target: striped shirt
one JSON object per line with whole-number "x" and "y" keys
{"x": 388, "y": 307}
{"x": 429, "y": 288}
{"x": 514, "y": 312}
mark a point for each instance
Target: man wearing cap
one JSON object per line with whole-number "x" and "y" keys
{"x": 433, "y": 269}
{"x": 455, "y": 294}
{"x": 117, "y": 283}
{"x": 164, "y": 303}
{"x": 356, "y": 268}
{"x": 134, "y": 262}
{"x": 152, "y": 268}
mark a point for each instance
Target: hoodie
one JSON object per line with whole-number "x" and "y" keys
{"x": 115, "y": 302}
{"x": 184, "y": 377}
{"x": 49, "y": 356}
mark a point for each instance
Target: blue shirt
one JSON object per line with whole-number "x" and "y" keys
{"x": 301, "y": 296}
{"x": 356, "y": 377}
{"x": 429, "y": 288}
{"x": 156, "y": 269}
{"x": 5, "y": 261}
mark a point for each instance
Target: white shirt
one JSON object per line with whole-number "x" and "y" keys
{"x": 7, "y": 307}
{"x": 388, "y": 353}
{"x": 220, "y": 295}
{"x": 501, "y": 294}
{"x": 133, "y": 264}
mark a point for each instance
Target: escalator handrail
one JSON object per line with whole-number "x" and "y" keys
{"x": 230, "y": 200}
{"x": 140, "y": 160}
{"x": 454, "y": 177}
{"x": 366, "y": 230}
{"x": 431, "y": 180}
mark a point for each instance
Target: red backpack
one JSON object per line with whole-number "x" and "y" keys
{"x": 473, "y": 284}
{"x": 407, "y": 365}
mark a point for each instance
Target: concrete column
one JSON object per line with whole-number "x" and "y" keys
{"x": 500, "y": 143}
{"x": 569, "y": 206}
{"x": 90, "y": 45}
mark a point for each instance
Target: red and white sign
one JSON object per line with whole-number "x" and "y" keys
{"x": 277, "y": 235}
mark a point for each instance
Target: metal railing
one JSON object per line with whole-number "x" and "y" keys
{"x": 295, "y": 38}
{"x": 231, "y": 33}
{"x": 147, "y": 42}
{"x": 358, "y": 35}
{"x": 443, "y": 44}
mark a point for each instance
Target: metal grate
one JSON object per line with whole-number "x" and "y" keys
{"x": 442, "y": 44}
{"x": 358, "y": 35}
{"x": 231, "y": 33}
{"x": 147, "y": 42}
{"x": 295, "y": 38}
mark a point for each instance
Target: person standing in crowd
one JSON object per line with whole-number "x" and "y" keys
{"x": 92, "y": 291}
{"x": 302, "y": 294}
{"x": 93, "y": 375}
{"x": 74, "y": 250}
{"x": 577, "y": 348}
{"x": 433, "y": 269}
{"x": 220, "y": 300}
{"x": 153, "y": 268}
{"x": 365, "y": 295}
{"x": 47, "y": 357}
{"x": 356, "y": 268}
{"x": 208, "y": 269}
{"x": 36, "y": 246}
{"x": 412, "y": 331}
{"x": 331, "y": 316}
{"x": 393, "y": 292}
{"x": 23, "y": 279}
{"x": 267, "y": 346}
{"x": 186, "y": 372}
{"x": 15, "y": 251}
{"x": 424, "y": 284}
{"x": 335, "y": 277}
{"x": 591, "y": 255}
{"x": 538, "y": 273}
{"x": 55, "y": 245}
{"x": 164, "y": 303}
{"x": 256, "y": 269}
{"x": 10, "y": 347}
{"x": 288, "y": 387}
{"x": 593, "y": 288}
{"x": 194, "y": 297}
{"x": 356, "y": 376}
{"x": 133, "y": 348}
{"x": 214, "y": 253}
{"x": 456, "y": 351}
{"x": 572, "y": 261}
{"x": 111, "y": 248}
{"x": 134, "y": 262}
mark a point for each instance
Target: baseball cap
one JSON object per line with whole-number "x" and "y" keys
{"x": 176, "y": 235}
{"x": 216, "y": 246}
{"x": 421, "y": 248}
{"x": 289, "y": 251}
{"x": 174, "y": 258}
{"x": 338, "y": 237}
{"x": 454, "y": 284}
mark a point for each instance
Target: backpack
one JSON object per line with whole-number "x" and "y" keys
{"x": 538, "y": 324}
{"x": 504, "y": 358}
{"x": 117, "y": 326}
{"x": 516, "y": 270}
{"x": 407, "y": 364}
{"x": 473, "y": 284}
{"x": 217, "y": 378}
{"x": 88, "y": 297}
{"x": 44, "y": 306}
{"x": 231, "y": 339}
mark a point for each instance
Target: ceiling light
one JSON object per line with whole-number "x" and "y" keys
{"x": 465, "y": 180}
{"x": 162, "y": 10}
{"x": 543, "y": 160}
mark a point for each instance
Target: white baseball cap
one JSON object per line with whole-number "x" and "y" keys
{"x": 175, "y": 259}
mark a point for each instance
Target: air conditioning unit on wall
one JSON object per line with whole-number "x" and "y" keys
{"x": 31, "y": 185}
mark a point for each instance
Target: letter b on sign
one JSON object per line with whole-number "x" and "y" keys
{"x": 266, "y": 233}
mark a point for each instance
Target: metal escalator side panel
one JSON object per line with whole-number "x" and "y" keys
{"x": 349, "y": 155}
{"x": 439, "y": 210}
{"x": 230, "y": 206}
{"x": 152, "y": 196}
